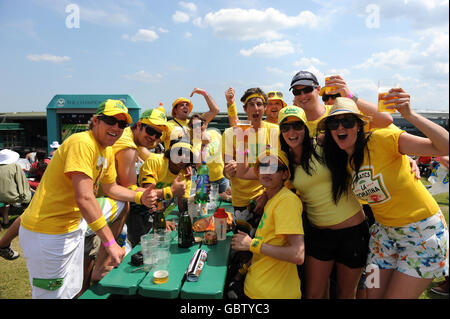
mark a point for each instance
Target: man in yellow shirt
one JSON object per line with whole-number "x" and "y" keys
{"x": 53, "y": 226}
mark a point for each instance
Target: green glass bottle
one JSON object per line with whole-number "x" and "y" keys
{"x": 159, "y": 221}
{"x": 185, "y": 234}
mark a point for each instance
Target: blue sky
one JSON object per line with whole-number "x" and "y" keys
{"x": 157, "y": 51}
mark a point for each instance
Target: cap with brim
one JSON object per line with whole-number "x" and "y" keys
{"x": 304, "y": 78}
{"x": 291, "y": 111}
{"x": 275, "y": 97}
{"x": 155, "y": 117}
{"x": 275, "y": 152}
{"x": 343, "y": 105}
{"x": 8, "y": 157}
{"x": 112, "y": 108}
{"x": 180, "y": 100}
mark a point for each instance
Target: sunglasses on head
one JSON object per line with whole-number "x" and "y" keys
{"x": 347, "y": 122}
{"x": 151, "y": 131}
{"x": 111, "y": 120}
{"x": 305, "y": 90}
{"x": 272, "y": 94}
{"x": 297, "y": 126}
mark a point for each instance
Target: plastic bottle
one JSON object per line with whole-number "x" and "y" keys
{"x": 185, "y": 234}
{"x": 201, "y": 192}
{"x": 220, "y": 223}
{"x": 122, "y": 239}
{"x": 439, "y": 180}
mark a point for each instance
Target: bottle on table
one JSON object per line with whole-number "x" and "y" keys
{"x": 201, "y": 192}
{"x": 185, "y": 234}
{"x": 159, "y": 221}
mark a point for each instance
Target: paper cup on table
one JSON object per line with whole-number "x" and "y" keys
{"x": 220, "y": 223}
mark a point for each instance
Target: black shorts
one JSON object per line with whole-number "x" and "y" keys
{"x": 347, "y": 246}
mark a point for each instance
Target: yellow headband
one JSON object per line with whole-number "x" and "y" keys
{"x": 254, "y": 95}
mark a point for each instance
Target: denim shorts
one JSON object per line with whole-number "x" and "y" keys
{"x": 418, "y": 249}
{"x": 347, "y": 246}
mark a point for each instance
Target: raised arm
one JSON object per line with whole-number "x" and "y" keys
{"x": 231, "y": 107}
{"x": 437, "y": 138}
{"x": 379, "y": 119}
{"x": 213, "y": 108}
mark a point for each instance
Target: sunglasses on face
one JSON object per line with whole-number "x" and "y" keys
{"x": 111, "y": 120}
{"x": 347, "y": 122}
{"x": 272, "y": 94}
{"x": 305, "y": 90}
{"x": 267, "y": 168}
{"x": 297, "y": 126}
{"x": 152, "y": 132}
{"x": 333, "y": 96}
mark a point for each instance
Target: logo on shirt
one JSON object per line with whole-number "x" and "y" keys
{"x": 101, "y": 167}
{"x": 370, "y": 187}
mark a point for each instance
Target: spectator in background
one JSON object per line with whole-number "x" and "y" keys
{"x": 37, "y": 169}
{"x": 54, "y": 147}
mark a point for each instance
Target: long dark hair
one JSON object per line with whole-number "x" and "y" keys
{"x": 337, "y": 159}
{"x": 308, "y": 150}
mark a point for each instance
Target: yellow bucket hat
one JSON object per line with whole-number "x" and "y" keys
{"x": 343, "y": 105}
{"x": 275, "y": 152}
{"x": 276, "y": 95}
{"x": 291, "y": 111}
{"x": 180, "y": 100}
{"x": 155, "y": 117}
{"x": 113, "y": 107}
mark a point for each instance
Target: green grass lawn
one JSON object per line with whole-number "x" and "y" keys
{"x": 14, "y": 283}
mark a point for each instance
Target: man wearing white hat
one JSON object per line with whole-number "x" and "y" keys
{"x": 14, "y": 189}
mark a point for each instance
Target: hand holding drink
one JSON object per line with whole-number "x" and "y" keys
{"x": 400, "y": 100}
{"x": 384, "y": 100}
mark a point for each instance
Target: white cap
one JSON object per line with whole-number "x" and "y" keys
{"x": 55, "y": 144}
{"x": 8, "y": 156}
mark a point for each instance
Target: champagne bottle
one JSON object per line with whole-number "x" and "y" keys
{"x": 185, "y": 234}
{"x": 159, "y": 221}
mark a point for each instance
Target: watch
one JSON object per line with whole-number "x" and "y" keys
{"x": 353, "y": 96}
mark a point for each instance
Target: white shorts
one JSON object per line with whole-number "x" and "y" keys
{"x": 59, "y": 258}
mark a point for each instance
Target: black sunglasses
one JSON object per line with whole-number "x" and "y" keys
{"x": 297, "y": 126}
{"x": 347, "y": 122}
{"x": 326, "y": 97}
{"x": 305, "y": 90}
{"x": 151, "y": 131}
{"x": 111, "y": 120}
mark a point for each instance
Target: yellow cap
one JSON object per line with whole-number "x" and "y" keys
{"x": 293, "y": 111}
{"x": 113, "y": 107}
{"x": 180, "y": 100}
{"x": 155, "y": 117}
{"x": 275, "y": 152}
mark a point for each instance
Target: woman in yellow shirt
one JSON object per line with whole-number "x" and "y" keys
{"x": 409, "y": 240}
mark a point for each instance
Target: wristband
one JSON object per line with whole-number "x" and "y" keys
{"x": 255, "y": 246}
{"x": 231, "y": 110}
{"x": 98, "y": 223}
{"x": 137, "y": 198}
{"x": 243, "y": 153}
{"x": 133, "y": 187}
{"x": 112, "y": 241}
{"x": 167, "y": 193}
{"x": 350, "y": 95}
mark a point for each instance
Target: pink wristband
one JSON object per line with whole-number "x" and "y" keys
{"x": 112, "y": 241}
{"x": 350, "y": 95}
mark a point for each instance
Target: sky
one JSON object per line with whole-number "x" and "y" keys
{"x": 157, "y": 51}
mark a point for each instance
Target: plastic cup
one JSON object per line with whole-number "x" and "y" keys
{"x": 163, "y": 238}
{"x": 148, "y": 248}
{"x": 214, "y": 193}
{"x": 330, "y": 88}
{"x": 161, "y": 266}
{"x": 383, "y": 89}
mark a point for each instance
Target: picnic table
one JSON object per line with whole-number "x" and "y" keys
{"x": 129, "y": 280}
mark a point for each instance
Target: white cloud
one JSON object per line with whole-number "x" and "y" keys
{"x": 255, "y": 24}
{"x": 305, "y": 62}
{"x": 188, "y": 35}
{"x": 190, "y": 6}
{"x": 393, "y": 58}
{"x": 273, "y": 49}
{"x": 143, "y": 76}
{"x": 162, "y": 30}
{"x": 145, "y": 35}
{"x": 47, "y": 58}
{"x": 180, "y": 17}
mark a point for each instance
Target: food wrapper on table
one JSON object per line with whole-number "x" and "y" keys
{"x": 196, "y": 265}
{"x": 207, "y": 223}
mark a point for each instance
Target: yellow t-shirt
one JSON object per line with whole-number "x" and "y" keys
{"x": 385, "y": 181}
{"x": 312, "y": 125}
{"x": 317, "y": 197}
{"x": 155, "y": 170}
{"x": 125, "y": 141}
{"x": 174, "y": 131}
{"x": 213, "y": 152}
{"x": 245, "y": 190}
{"x": 53, "y": 209}
{"x": 267, "y": 277}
